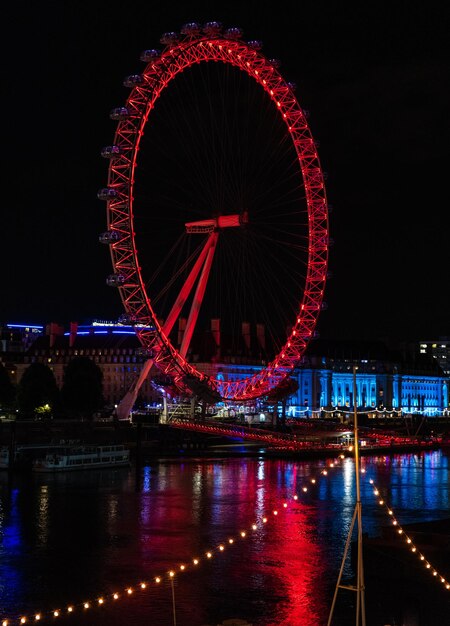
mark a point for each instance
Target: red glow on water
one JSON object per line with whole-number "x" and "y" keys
{"x": 281, "y": 563}
{"x": 302, "y": 569}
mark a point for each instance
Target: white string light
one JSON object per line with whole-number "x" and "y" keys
{"x": 409, "y": 541}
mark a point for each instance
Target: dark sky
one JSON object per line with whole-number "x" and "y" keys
{"x": 375, "y": 80}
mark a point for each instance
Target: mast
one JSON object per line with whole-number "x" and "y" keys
{"x": 357, "y": 517}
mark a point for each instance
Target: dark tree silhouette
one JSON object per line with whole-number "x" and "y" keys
{"x": 37, "y": 389}
{"x": 7, "y": 389}
{"x": 82, "y": 393}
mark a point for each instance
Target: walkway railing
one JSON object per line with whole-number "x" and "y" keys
{"x": 289, "y": 441}
{"x": 234, "y": 430}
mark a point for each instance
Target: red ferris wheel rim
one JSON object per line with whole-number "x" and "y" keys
{"x": 180, "y": 53}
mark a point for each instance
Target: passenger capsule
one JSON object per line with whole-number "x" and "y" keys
{"x": 110, "y": 236}
{"x": 111, "y": 152}
{"x": 169, "y": 39}
{"x": 212, "y": 28}
{"x": 133, "y": 80}
{"x": 275, "y": 63}
{"x": 119, "y": 113}
{"x": 255, "y": 44}
{"x": 107, "y": 193}
{"x": 115, "y": 280}
{"x": 292, "y": 86}
{"x": 233, "y": 33}
{"x": 191, "y": 29}
{"x": 150, "y": 55}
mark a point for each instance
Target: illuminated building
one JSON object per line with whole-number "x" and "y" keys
{"x": 439, "y": 350}
{"x": 387, "y": 381}
{"x": 18, "y": 337}
{"x": 113, "y": 347}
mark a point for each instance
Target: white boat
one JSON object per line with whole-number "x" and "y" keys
{"x": 24, "y": 454}
{"x": 83, "y": 457}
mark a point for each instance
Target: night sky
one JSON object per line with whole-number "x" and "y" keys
{"x": 375, "y": 80}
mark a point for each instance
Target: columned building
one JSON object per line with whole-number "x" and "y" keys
{"x": 325, "y": 390}
{"x": 385, "y": 380}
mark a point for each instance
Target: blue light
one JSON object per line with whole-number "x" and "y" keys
{"x": 25, "y": 326}
{"x": 103, "y": 332}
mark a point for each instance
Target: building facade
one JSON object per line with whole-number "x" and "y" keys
{"x": 325, "y": 378}
{"x": 114, "y": 348}
{"x": 439, "y": 350}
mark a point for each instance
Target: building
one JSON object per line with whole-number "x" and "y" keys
{"x": 387, "y": 381}
{"x": 18, "y": 337}
{"x": 439, "y": 350}
{"x": 113, "y": 347}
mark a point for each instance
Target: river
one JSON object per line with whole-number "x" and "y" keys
{"x": 72, "y": 538}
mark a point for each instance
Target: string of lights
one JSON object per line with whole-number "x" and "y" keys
{"x": 408, "y": 540}
{"x": 196, "y": 561}
{"x": 157, "y": 580}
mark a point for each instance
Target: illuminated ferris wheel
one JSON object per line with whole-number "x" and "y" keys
{"x": 217, "y": 214}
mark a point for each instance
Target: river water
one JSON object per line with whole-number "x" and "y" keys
{"x": 72, "y": 538}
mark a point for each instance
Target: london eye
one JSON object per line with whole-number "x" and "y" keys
{"x": 217, "y": 217}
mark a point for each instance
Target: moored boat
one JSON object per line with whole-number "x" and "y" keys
{"x": 83, "y": 457}
{"x": 22, "y": 456}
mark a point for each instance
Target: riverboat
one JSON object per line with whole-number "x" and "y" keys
{"x": 25, "y": 454}
{"x": 83, "y": 457}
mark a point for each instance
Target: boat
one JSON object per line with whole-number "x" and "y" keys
{"x": 24, "y": 454}
{"x": 71, "y": 458}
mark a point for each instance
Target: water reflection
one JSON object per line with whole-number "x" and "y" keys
{"x": 73, "y": 537}
{"x": 42, "y": 513}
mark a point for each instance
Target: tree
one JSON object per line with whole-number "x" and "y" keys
{"x": 7, "y": 389}
{"x": 37, "y": 393}
{"x": 82, "y": 390}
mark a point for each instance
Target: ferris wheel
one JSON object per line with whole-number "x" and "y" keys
{"x": 216, "y": 213}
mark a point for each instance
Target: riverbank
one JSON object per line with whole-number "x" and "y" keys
{"x": 155, "y": 440}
